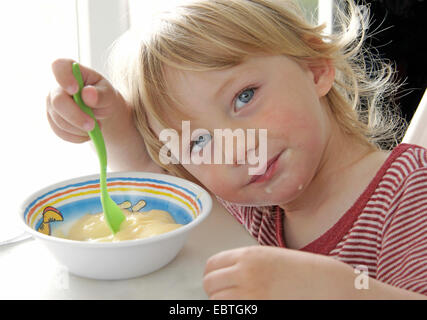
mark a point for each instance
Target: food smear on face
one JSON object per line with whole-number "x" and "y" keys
{"x": 137, "y": 225}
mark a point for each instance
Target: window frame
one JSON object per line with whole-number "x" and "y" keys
{"x": 99, "y": 23}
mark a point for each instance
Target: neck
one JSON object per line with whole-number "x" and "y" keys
{"x": 340, "y": 162}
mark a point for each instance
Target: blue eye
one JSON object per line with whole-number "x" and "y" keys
{"x": 197, "y": 145}
{"x": 243, "y": 98}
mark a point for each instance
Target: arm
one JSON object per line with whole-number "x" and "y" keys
{"x": 125, "y": 145}
{"x": 264, "y": 272}
{"x": 379, "y": 290}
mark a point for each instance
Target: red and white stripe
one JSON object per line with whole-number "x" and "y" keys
{"x": 385, "y": 230}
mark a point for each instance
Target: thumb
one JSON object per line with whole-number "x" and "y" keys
{"x": 90, "y": 96}
{"x": 99, "y": 95}
{"x": 102, "y": 98}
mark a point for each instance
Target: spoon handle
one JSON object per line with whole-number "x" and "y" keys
{"x": 112, "y": 213}
{"x": 95, "y": 134}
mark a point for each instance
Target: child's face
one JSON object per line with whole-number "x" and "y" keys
{"x": 268, "y": 92}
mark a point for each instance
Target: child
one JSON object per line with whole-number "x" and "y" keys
{"x": 333, "y": 205}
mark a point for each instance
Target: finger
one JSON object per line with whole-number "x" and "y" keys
{"x": 226, "y": 294}
{"x": 65, "y": 125}
{"x": 60, "y": 121}
{"x": 65, "y": 135}
{"x": 65, "y": 106}
{"x": 222, "y": 259}
{"x": 62, "y": 70}
{"x": 101, "y": 98}
{"x": 219, "y": 279}
{"x": 90, "y": 96}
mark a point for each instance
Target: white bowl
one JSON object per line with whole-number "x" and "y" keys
{"x": 187, "y": 202}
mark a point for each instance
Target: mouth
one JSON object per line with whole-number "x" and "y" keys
{"x": 269, "y": 172}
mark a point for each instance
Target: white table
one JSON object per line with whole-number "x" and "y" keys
{"x": 28, "y": 271}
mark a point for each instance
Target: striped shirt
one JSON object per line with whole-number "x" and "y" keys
{"x": 385, "y": 231}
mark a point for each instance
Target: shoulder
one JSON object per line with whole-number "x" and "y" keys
{"x": 403, "y": 254}
{"x": 406, "y": 179}
{"x": 406, "y": 165}
{"x": 410, "y": 157}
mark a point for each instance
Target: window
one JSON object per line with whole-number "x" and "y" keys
{"x": 34, "y": 33}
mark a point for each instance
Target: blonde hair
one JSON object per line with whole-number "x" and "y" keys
{"x": 206, "y": 35}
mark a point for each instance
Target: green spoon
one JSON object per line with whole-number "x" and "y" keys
{"x": 112, "y": 213}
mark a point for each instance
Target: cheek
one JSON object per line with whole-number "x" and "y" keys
{"x": 297, "y": 128}
{"x": 217, "y": 180}
{"x": 307, "y": 134}
{"x": 300, "y": 121}
{"x": 211, "y": 176}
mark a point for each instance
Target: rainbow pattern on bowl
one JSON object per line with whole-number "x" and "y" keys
{"x": 74, "y": 200}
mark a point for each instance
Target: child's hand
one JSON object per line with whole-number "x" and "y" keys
{"x": 275, "y": 273}
{"x": 65, "y": 117}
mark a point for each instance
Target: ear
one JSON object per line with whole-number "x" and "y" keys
{"x": 323, "y": 74}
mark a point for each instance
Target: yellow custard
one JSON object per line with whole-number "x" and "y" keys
{"x": 137, "y": 225}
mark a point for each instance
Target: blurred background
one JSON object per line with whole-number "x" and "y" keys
{"x": 36, "y": 32}
{"x": 401, "y": 26}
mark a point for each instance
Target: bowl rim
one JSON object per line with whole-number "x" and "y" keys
{"x": 204, "y": 197}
